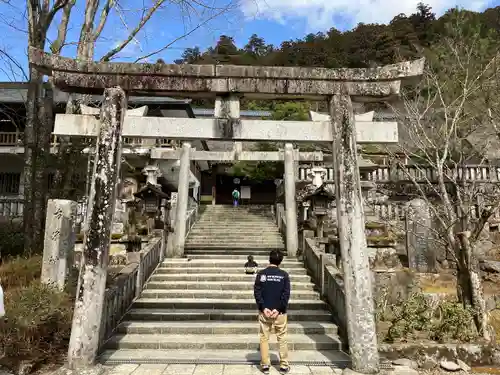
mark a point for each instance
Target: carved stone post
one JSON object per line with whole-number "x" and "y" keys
{"x": 182, "y": 201}
{"x": 418, "y": 222}
{"x": 228, "y": 107}
{"x": 59, "y": 242}
{"x": 84, "y": 341}
{"x": 292, "y": 235}
{"x": 361, "y": 328}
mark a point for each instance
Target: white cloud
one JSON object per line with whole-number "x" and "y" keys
{"x": 321, "y": 14}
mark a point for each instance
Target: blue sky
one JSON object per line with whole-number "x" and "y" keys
{"x": 274, "y": 20}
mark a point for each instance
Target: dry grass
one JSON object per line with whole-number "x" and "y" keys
{"x": 37, "y": 324}
{"x": 20, "y": 272}
{"x": 494, "y": 320}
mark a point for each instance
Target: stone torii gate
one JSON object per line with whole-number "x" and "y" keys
{"x": 337, "y": 86}
{"x": 288, "y": 155}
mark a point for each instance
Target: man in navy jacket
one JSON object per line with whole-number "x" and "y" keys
{"x": 272, "y": 293}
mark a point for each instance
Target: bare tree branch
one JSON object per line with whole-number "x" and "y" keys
{"x": 62, "y": 29}
{"x": 103, "y": 18}
{"x": 134, "y": 32}
{"x": 182, "y": 36}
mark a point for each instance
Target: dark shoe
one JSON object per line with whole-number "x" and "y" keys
{"x": 264, "y": 369}
{"x": 284, "y": 370}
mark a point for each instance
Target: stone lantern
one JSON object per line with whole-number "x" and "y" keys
{"x": 320, "y": 200}
{"x": 152, "y": 196}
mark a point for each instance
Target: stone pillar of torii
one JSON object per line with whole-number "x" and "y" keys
{"x": 339, "y": 87}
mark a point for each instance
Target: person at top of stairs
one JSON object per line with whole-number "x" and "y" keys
{"x": 251, "y": 266}
{"x": 272, "y": 293}
{"x": 236, "y": 197}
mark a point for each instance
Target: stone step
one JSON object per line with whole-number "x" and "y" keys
{"x": 234, "y": 342}
{"x": 218, "y": 285}
{"x": 234, "y": 230}
{"x": 226, "y": 230}
{"x": 224, "y": 263}
{"x": 260, "y": 259}
{"x": 235, "y": 227}
{"x": 212, "y": 315}
{"x": 219, "y": 328}
{"x": 144, "y": 356}
{"x": 236, "y": 223}
{"x": 226, "y": 217}
{"x": 201, "y": 278}
{"x": 254, "y": 237}
{"x": 235, "y": 240}
{"x": 208, "y": 294}
{"x": 228, "y": 247}
{"x": 236, "y": 248}
{"x": 229, "y": 272}
{"x": 222, "y": 304}
{"x": 233, "y": 224}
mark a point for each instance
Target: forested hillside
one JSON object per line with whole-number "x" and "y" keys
{"x": 405, "y": 37}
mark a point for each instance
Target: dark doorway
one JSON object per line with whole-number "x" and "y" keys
{"x": 262, "y": 192}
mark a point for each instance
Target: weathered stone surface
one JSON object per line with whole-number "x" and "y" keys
{"x": 429, "y": 355}
{"x": 490, "y": 266}
{"x": 161, "y": 153}
{"x": 86, "y": 327}
{"x": 427, "y": 363}
{"x": 359, "y": 305}
{"x": 403, "y": 370}
{"x": 70, "y": 75}
{"x": 251, "y": 87}
{"x": 91, "y": 370}
{"x": 464, "y": 366}
{"x": 182, "y": 201}
{"x": 449, "y": 365}
{"x": 348, "y": 371}
{"x": 221, "y": 129}
{"x": 50, "y": 63}
{"x": 292, "y": 240}
{"x": 59, "y": 241}
{"x": 418, "y": 236}
{"x": 405, "y": 362}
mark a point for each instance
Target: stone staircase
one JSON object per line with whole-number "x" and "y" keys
{"x": 200, "y": 309}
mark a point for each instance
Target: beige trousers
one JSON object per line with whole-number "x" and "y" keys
{"x": 280, "y": 327}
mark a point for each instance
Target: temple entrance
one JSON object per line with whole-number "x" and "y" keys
{"x": 251, "y": 192}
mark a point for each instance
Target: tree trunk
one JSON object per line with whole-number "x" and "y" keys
{"x": 470, "y": 285}
{"x": 45, "y": 121}
{"x": 30, "y": 158}
{"x": 64, "y": 163}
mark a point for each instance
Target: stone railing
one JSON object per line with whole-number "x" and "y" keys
{"x": 279, "y": 214}
{"x": 191, "y": 217}
{"x": 325, "y": 274}
{"x": 421, "y": 173}
{"x": 127, "y": 287}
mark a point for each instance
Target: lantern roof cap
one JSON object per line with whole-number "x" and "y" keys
{"x": 150, "y": 189}
{"x": 322, "y": 191}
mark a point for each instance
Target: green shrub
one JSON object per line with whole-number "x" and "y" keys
{"x": 415, "y": 318}
{"x": 37, "y": 324}
{"x": 11, "y": 239}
